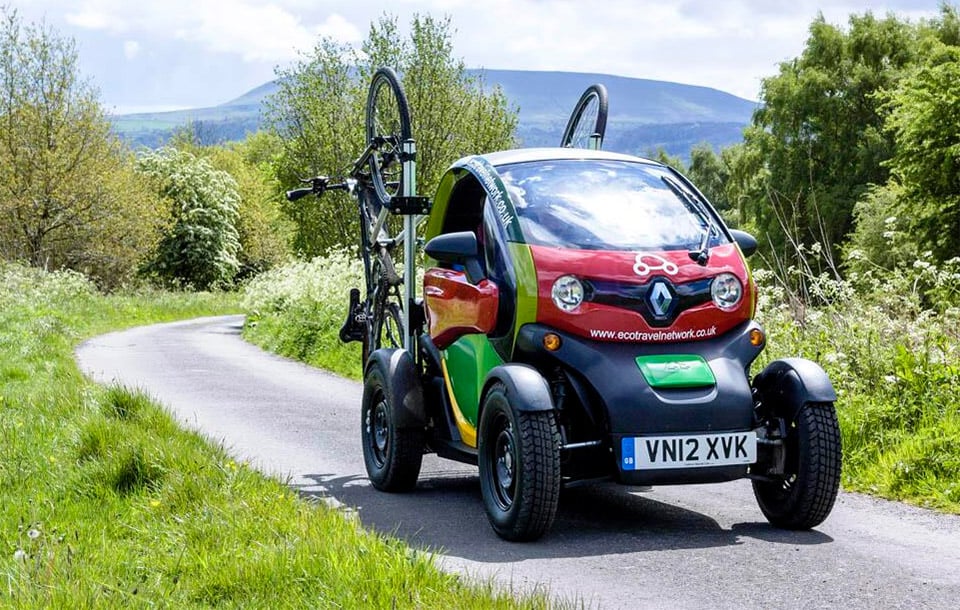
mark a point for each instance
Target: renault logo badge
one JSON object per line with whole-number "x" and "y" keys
{"x": 660, "y": 298}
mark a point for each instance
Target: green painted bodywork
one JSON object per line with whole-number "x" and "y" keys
{"x": 469, "y": 359}
{"x": 676, "y": 371}
{"x": 526, "y": 310}
{"x": 498, "y": 196}
{"x": 486, "y": 174}
{"x": 441, "y": 201}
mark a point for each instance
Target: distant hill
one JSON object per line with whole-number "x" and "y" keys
{"x": 644, "y": 115}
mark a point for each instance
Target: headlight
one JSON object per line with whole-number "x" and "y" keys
{"x": 726, "y": 291}
{"x": 567, "y": 293}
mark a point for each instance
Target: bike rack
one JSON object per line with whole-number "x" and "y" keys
{"x": 409, "y": 190}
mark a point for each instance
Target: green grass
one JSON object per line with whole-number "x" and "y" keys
{"x": 894, "y": 363}
{"x": 106, "y": 502}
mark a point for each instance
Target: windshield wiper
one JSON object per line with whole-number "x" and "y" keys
{"x": 702, "y": 254}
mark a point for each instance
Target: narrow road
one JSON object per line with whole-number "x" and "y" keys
{"x": 611, "y": 546}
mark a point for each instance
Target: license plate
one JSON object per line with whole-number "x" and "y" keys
{"x": 688, "y": 451}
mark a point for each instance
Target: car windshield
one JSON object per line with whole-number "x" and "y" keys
{"x": 606, "y": 205}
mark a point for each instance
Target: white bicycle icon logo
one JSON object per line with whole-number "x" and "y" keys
{"x": 645, "y": 263}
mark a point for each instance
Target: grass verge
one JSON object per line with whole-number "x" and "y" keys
{"x": 106, "y": 502}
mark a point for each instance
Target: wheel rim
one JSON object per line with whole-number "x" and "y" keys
{"x": 378, "y": 432}
{"x": 383, "y": 323}
{"x": 586, "y": 123}
{"x": 385, "y": 120}
{"x": 504, "y": 464}
{"x": 391, "y": 330}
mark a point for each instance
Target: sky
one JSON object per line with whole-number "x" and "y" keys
{"x": 147, "y": 55}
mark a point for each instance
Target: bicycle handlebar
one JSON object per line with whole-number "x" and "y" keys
{"x": 318, "y": 186}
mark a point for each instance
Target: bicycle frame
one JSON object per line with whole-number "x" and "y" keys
{"x": 375, "y": 236}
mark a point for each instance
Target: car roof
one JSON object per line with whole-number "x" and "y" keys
{"x": 525, "y": 155}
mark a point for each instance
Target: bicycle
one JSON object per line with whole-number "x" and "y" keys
{"x": 383, "y": 183}
{"x": 588, "y": 121}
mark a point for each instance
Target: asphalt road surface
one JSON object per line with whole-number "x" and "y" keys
{"x": 704, "y": 546}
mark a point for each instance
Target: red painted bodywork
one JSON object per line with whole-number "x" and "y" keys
{"x": 608, "y": 323}
{"x": 455, "y": 307}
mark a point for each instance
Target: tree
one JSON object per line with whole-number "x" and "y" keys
{"x": 709, "y": 173}
{"x": 925, "y": 121}
{"x": 820, "y": 128}
{"x": 452, "y": 114}
{"x": 68, "y": 196}
{"x": 319, "y": 112}
{"x": 264, "y": 231}
{"x": 200, "y": 249}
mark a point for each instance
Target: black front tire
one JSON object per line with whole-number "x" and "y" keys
{"x": 519, "y": 459}
{"x": 805, "y": 495}
{"x": 392, "y": 446}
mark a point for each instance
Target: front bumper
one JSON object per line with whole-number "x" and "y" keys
{"x": 621, "y": 404}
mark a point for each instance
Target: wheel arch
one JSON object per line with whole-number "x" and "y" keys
{"x": 526, "y": 388}
{"x": 402, "y": 381}
{"x": 785, "y": 385}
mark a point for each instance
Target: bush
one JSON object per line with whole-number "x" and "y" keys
{"x": 200, "y": 249}
{"x": 890, "y": 342}
{"x": 297, "y": 310}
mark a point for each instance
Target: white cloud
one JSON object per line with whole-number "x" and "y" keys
{"x": 131, "y": 49}
{"x": 93, "y": 19}
{"x": 254, "y": 30}
{"x": 728, "y": 45}
{"x": 338, "y": 28}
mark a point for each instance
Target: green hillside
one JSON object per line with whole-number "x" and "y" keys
{"x": 644, "y": 114}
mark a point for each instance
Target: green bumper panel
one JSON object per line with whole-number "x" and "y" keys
{"x": 676, "y": 371}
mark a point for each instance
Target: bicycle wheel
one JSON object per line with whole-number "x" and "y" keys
{"x": 388, "y": 125}
{"x": 589, "y": 117}
{"x": 384, "y": 322}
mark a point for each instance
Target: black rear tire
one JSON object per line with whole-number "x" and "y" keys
{"x": 806, "y": 494}
{"x": 589, "y": 117}
{"x": 387, "y": 123}
{"x": 392, "y": 447}
{"x": 519, "y": 459}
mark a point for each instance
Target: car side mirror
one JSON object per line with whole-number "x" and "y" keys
{"x": 747, "y": 242}
{"x": 459, "y": 248}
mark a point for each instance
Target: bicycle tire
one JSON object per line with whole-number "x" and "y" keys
{"x": 589, "y": 117}
{"x": 384, "y": 322}
{"x": 388, "y": 126}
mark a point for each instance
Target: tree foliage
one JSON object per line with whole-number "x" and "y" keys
{"x": 68, "y": 195}
{"x": 925, "y": 121}
{"x": 264, "y": 231}
{"x": 200, "y": 249}
{"x": 820, "y": 128}
{"x": 319, "y": 112}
